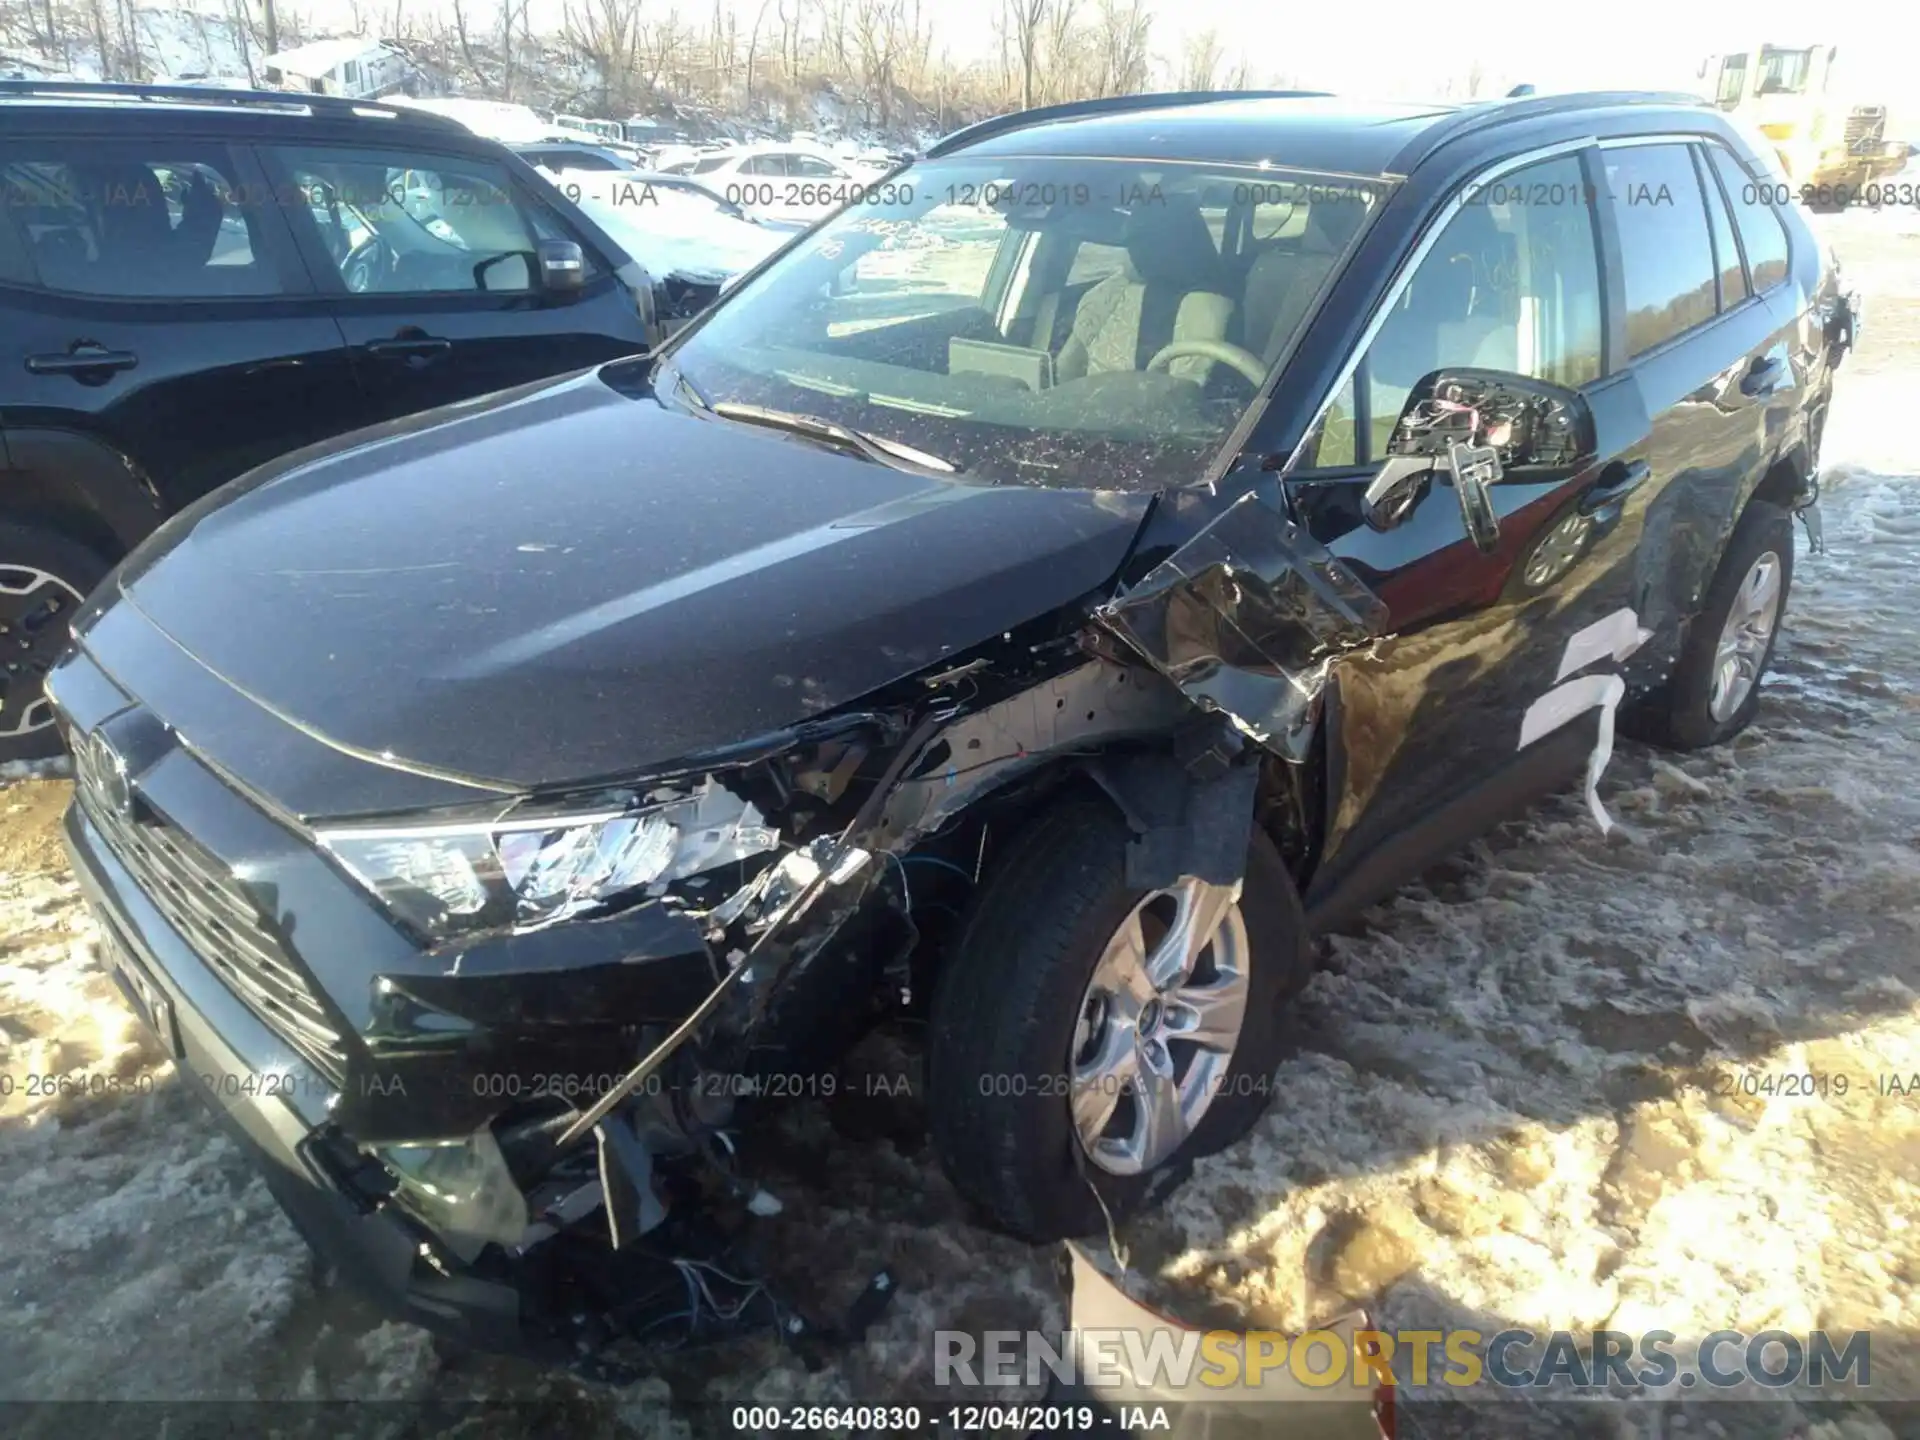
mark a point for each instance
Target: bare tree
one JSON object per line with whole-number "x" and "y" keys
{"x": 606, "y": 34}
{"x": 1026, "y": 20}
{"x": 1201, "y": 63}
{"x": 660, "y": 47}
{"x": 1121, "y": 30}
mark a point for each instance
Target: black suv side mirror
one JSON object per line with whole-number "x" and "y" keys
{"x": 563, "y": 266}
{"x": 1475, "y": 427}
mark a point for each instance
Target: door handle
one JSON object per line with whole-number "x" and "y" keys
{"x": 1761, "y": 377}
{"x": 83, "y": 361}
{"x": 1617, "y": 481}
{"x": 417, "y": 347}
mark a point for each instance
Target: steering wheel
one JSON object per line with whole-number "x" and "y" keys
{"x": 365, "y": 264}
{"x": 1244, "y": 361}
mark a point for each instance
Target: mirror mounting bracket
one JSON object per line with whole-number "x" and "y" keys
{"x": 1476, "y": 469}
{"x": 1392, "y": 494}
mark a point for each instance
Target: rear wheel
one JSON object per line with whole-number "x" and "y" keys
{"x": 1088, "y": 1035}
{"x": 43, "y": 578}
{"x": 1714, "y": 692}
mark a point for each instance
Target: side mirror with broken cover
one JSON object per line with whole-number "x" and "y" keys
{"x": 1473, "y": 429}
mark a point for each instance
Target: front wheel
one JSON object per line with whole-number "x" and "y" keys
{"x": 1087, "y": 1035}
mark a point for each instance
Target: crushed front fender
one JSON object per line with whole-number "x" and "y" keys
{"x": 1244, "y": 617}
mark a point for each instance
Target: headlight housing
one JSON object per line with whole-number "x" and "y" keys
{"x": 528, "y": 869}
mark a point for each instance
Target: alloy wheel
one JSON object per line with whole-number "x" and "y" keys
{"x": 1158, "y": 1025}
{"x": 1745, "y": 636}
{"x": 36, "y": 613}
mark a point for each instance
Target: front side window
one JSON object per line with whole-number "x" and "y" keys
{"x": 1047, "y": 321}
{"x": 1666, "y": 253}
{"x": 413, "y": 224}
{"x": 1761, "y": 232}
{"x": 1512, "y": 283}
{"x": 158, "y": 223}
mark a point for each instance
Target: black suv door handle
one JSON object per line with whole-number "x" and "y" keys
{"x": 1617, "y": 482}
{"x": 84, "y": 362}
{"x": 1761, "y": 377}
{"x": 414, "y": 347}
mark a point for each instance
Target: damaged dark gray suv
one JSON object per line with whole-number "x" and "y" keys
{"x": 1105, "y": 554}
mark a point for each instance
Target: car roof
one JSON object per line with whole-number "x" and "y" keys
{"x": 1298, "y": 129}
{"x": 58, "y": 106}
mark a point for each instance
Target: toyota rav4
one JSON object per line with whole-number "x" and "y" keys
{"x": 1099, "y": 557}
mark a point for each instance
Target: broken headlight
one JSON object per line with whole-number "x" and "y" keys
{"x": 530, "y": 869}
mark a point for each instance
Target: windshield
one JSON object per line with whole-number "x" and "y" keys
{"x": 1095, "y": 323}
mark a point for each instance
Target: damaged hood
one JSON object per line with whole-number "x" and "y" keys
{"x": 569, "y": 582}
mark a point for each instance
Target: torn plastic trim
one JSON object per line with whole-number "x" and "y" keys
{"x": 1243, "y": 619}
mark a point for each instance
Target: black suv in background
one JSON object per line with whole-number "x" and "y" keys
{"x": 1037, "y": 601}
{"x": 194, "y": 281}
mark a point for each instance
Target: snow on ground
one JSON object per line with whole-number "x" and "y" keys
{"x": 1506, "y": 1106}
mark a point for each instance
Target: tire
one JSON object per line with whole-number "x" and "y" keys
{"x": 1680, "y": 715}
{"x": 1007, "y": 1008}
{"x": 44, "y": 576}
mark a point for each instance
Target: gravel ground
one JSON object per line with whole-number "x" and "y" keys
{"x": 1504, "y": 1107}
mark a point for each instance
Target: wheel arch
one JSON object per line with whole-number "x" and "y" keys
{"x": 80, "y": 487}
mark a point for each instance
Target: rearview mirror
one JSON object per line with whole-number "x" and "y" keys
{"x": 1476, "y": 428}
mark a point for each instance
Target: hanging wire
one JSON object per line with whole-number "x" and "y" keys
{"x": 959, "y": 870}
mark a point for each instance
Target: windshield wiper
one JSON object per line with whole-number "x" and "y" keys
{"x": 874, "y": 447}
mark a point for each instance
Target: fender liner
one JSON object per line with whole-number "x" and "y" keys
{"x": 1191, "y": 810}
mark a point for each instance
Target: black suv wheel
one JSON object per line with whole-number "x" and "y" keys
{"x": 1087, "y": 1034}
{"x": 43, "y": 578}
{"x": 1714, "y": 692}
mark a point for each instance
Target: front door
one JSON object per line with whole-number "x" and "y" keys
{"x": 1492, "y": 676}
{"x": 430, "y": 261}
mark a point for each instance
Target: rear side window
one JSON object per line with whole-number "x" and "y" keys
{"x": 1666, "y": 251}
{"x": 1726, "y": 254}
{"x": 160, "y": 223}
{"x": 1760, "y": 229}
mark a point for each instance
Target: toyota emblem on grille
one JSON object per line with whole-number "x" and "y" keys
{"x": 104, "y": 772}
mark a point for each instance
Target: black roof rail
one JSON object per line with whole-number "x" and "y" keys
{"x": 1485, "y": 114}
{"x": 331, "y": 105}
{"x": 1111, "y": 105}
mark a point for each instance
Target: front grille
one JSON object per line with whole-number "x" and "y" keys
{"x": 1866, "y": 129}
{"x": 202, "y": 901}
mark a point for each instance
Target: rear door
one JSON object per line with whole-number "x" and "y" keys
{"x": 429, "y": 264}
{"x": 159, "y": 309}
{"x": 1711, "y": 359}
{"x": 1445, "y": 723}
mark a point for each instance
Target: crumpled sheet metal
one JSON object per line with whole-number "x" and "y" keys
{"x": 1243, "y": 618}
